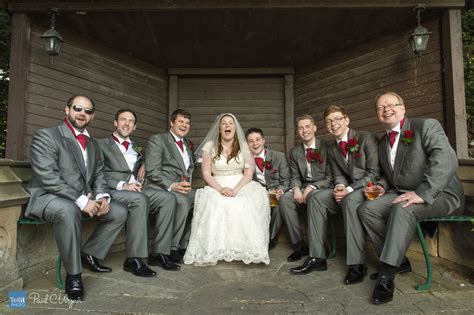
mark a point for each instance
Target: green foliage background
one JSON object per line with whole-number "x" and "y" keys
{"x": 468, "y": 46}
{"x": 5, "y": 23}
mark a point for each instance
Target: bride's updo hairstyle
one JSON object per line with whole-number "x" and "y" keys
{"x": 235, "y": 144}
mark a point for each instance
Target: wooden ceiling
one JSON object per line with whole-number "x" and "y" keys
{"x": 230, "y": 37}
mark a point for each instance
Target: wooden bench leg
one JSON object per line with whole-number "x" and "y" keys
{"x": 429, "y": 270}
{"x": 59, "y": 278}
{"x": 332, "y": 253}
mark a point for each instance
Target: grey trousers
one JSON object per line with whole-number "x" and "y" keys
{"x": 289, "y": 214}
{"x": 322, "y": 204}
{"x": 66, "y": 219}
{"x": 137, "y": 221}
{"x": 275, "y": 222}
{"x": 392, "y": 227}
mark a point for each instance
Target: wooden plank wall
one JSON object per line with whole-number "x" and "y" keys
{"x": 111, "y": 80}
{"x": 256, "y": 102}
{"x": 354, "y": 77}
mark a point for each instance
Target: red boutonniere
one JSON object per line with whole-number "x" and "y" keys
{"x": 190, "y": 145}
{"x": 268, "y": 166}
{"x": 353, "y": 147}
{"x": 314, "y": 156}
{"x": 408, "y": 136}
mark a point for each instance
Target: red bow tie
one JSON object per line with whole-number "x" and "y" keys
{"x": 125, "y": 143}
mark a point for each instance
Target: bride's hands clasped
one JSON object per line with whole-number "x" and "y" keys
{"x": 228, "y": 192}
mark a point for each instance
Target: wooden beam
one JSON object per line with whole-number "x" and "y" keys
{"x": 172, "y": 94}
{"x": 454, "y": 81}
{"x": 17, "y": 90}
{"x": 157, "y": 5}
{"x": 230, "y": 71}
{"x": 289, "y": 113}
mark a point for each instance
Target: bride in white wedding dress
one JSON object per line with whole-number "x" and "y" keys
{"x": 232, "y": 214}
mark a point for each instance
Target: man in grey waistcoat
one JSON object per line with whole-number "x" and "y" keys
{"x": 67, "y": 183}
{"x": 272, "y": 172}
{"x": 169, "y": 167}
{"x": 309, "y": 173}
{"x": 419, "y": 181}
{"x": 354, "y": 162}
{"x": 124, "y": 172}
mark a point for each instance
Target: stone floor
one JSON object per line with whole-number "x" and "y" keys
{"x": 230, "y": 288}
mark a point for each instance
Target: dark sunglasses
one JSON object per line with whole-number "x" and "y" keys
{"x": 88, "y": 111}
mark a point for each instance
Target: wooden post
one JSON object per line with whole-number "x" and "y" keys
{"x": 173, "y": 94}
{"x": 289, "y": 113}
{"x": 17, "y": 90}
{"x": 454, "y": 81}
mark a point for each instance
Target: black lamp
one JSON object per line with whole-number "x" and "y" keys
{"x": 419, "y": 37}
{"x": 52, "y": 40}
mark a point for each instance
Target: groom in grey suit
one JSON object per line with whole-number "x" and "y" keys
{"x": 272, "y": 172}
{"x": 354, "y": 161}
{"x": 169, "y": 167}
{"x": 124, "y": 172}
{"x": 309, "y": 173}
{"x": 419, "y": 181}
{"x": 67, "y": 183}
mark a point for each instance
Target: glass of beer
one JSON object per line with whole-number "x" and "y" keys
{"x": 372, "y": 191}
{"x": 272, "y": 195}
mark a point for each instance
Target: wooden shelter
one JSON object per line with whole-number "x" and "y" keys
{"x": 265, "y": 61}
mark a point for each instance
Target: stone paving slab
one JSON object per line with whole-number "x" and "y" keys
{"x": 236, "y": 288}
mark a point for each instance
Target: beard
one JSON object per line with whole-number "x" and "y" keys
{"x": 77, "y": 125}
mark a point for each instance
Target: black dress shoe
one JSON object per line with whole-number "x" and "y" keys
{"x": 405, "y": 267}
{"x": 355, "y": 274}
{"x": 138, "y": 267}
{"x": 272, "y": 243}
{"x": 163, "y": 261}
{"x": 176, "y": 256}
{"x": 310, "y": 264}
{"x": 74, "y": 288}
{"x": 93, "y": 264}
{"x": 299, "y": 253}
{"x": 383, "y": 292}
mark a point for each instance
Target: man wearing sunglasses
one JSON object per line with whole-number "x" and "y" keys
{"x": 67, "y": 184}
{"x": 353, "y": 158}
{"x": 419, "y": 181}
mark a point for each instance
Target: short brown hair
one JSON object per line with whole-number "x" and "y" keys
{"x": 303, "y": 117}
{"x": 400, "y": 99}
{"x": 180, "y": 112}
{"x": 334, "y": 109}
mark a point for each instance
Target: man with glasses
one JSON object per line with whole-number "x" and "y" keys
{"x": 309, "y": 173}
{"x": 419, "y": 181}
{"x": 354, "y": 162}
{"x": 68, "y": 183}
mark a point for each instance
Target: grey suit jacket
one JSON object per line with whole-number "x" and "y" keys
{"x": 164, "y": 164}
{"x": 59, "y": 171}
{"x": 321, "y": 171}
{"x": 116, "y": 168}
{"x": 427, "y": 166}
{"x": 278, "y": 176}
{"x": 360, "y": 166}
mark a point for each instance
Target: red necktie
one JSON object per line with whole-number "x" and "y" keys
{"x": 259, "y": 162}
{"x": 83, "y": 139}
{"x": 392, "y": 136}
{"x": 180, "y": 145}
{"x": 124, "y": 143}
{"x": 308, "y": 154}
{"x": 343, "y": 147}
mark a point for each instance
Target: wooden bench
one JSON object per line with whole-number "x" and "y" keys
{"x": 429, "y": 267}
{"x": 59, "y": 260}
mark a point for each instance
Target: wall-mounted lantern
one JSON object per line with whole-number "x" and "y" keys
{"x": 52, "y": 40}
{"x": 419, "y": 37}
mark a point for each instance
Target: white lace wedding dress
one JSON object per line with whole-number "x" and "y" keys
{"x": 229, "y": 228}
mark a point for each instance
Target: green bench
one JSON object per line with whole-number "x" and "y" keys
{"x": 429, "y": 267}
{"x": 59, "y": 260}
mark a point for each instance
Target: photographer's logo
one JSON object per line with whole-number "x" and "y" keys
{"x": 17, "y": 299}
